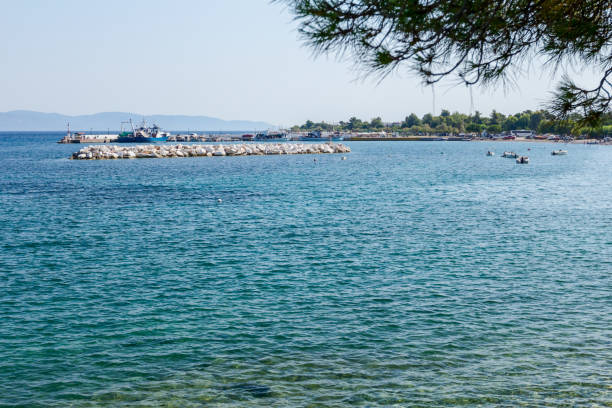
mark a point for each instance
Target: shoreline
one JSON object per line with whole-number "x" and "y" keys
{"x": 441, "y": 139}
{"x": 575, "y": 142}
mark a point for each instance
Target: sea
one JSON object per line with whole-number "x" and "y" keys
{"x": 410, "y": 274}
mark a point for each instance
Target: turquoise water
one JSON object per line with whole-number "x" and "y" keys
{"x": 410, "y": 274}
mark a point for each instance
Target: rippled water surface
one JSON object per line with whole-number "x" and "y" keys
{"x": 410, "y": 274}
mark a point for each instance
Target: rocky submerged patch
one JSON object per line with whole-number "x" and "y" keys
{"x": 105, "y": 152}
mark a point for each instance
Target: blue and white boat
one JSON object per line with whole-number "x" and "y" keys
{"x": 318, "y": 136}
{"x": 271, "y": 136}
{"x": 143, "y": 134}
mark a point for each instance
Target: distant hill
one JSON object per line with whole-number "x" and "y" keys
{"x": 22, "y": 120}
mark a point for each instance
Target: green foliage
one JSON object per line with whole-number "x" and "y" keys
{"x": 476, "y": 41}
{"x": 541, "y": 122}
{"x": 377, "y": 123}
{"x": 412, "y": 120}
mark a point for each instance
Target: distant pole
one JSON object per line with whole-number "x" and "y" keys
{"x": 471, "y": 101}
{"x": 433, "y": 94}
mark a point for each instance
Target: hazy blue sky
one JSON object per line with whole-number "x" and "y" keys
{"x": 232, "y": 59}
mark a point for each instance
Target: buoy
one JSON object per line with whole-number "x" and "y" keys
{"x": 219, "y": 200}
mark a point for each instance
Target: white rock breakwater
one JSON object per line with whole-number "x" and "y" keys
{"x": 160, "y": 151}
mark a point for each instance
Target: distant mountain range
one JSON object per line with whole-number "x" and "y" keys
{"x": 22, "y": 120}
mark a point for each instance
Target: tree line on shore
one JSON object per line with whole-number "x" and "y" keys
{"x": 540, "y": 122}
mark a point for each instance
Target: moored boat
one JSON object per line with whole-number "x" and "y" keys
{"x": 522, "y": 160}
{"x": 271, "y": 136}
{"x": 559, "y": 152}
{"x": 510, "y": 155}
{"x": 318, "y": 136}
{"x": 143, "y": 134}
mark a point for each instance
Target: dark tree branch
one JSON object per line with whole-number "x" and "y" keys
{"x": 478, "y": 41}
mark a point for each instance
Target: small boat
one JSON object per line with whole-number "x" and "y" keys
{"x": 522, "y": 160}
{"x": 559, "y": 152}
{"x": 510, "y": 155}
{"x": 490, "y": 153}
{"x": 271, "y": 136}
{"x": 318, "y": 136}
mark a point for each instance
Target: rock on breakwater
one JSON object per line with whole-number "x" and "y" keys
{"x": 162, "y": 151}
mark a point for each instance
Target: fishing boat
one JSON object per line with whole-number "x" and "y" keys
{"x": 142, "y": 134}
{"x": 559, "y": 152}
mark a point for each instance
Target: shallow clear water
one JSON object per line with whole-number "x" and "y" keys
{"x": 412, "y": 273}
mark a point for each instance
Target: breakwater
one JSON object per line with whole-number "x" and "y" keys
{"x": 164, "y": 151}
